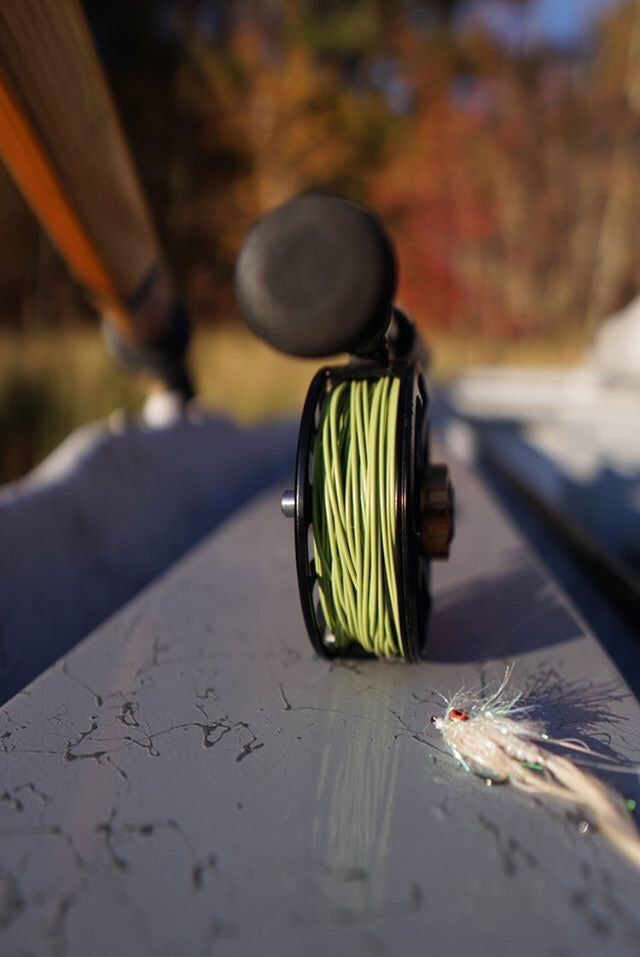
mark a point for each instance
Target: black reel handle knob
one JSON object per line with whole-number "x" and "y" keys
{"x": 316, "y": 276}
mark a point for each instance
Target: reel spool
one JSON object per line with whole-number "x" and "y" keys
{"x": 316, "y": 277}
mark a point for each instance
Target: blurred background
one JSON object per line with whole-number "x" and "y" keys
{"x": 497, "y": 139}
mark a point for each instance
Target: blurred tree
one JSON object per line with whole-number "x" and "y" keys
{"x": 514, "y": 194}
{"x": 272, "y": 120}
{"x": 507, "y": 173}
{"x": 616, "y": 94}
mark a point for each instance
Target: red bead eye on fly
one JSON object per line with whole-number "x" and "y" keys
{"x": 456, "y": 715}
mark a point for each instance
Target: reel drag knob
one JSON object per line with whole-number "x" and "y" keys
{"x": 317, "y": 276}
{"x": 436, "y": 512}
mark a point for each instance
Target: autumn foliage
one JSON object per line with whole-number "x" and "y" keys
{"x": 508, "y": 177}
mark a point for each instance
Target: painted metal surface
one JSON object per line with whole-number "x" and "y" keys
{"x": 109, "y": 510}
{"x": 193, "y": 780}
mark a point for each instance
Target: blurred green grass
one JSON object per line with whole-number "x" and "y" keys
{"x": 53, "y": 381}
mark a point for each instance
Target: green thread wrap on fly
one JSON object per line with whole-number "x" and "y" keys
{"x": 354, "y": 514}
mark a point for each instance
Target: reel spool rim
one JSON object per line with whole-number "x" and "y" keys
{"x": 302, "y": 515}
{"x": 411, "y": 565}
{"x": 411, "y": 451}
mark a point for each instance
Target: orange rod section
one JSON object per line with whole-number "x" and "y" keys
{"x": 28, "y": 164}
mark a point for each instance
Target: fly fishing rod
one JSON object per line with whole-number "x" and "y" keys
{"x": 317, "y": 277}
{"x": 62, "y": 142}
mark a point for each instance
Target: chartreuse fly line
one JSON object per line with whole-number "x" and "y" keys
{"x": 354, "y": 514}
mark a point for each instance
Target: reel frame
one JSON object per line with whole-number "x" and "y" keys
{"x": 412, "y": 455}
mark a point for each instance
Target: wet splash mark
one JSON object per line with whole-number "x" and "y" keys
{"x": 393, "y": 910}
{"x": 71, "y": 755}
{"x": 17, "y": 804}
{"x": 128, "y": 714}
{"x": 212, "y": 731}
{"x": 511, "y": 852}
{"x": 47, "y": 830}
{"x": 208, "y": 693}
{"x": 581, "y": 901}
{"x": 12, "y": 903}
{"x": 220, "y": 929}
{"x": 200, "y": 869}
{"x": 114, "y": 836}
{"x": 81, "y": 684}
{"x": 286, "y": 704}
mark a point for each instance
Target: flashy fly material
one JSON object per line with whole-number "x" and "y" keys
{"x": 496, "y": 738}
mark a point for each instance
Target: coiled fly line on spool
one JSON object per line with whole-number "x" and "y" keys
{"x": 354, "y": 514}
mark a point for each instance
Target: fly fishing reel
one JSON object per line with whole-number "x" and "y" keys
{"x": 317, "y": 277}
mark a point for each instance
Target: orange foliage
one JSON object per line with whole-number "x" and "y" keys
{"x": 513, "y": 211}
{"x": 509, "y": 180}
{"x": 288, "y": 122}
